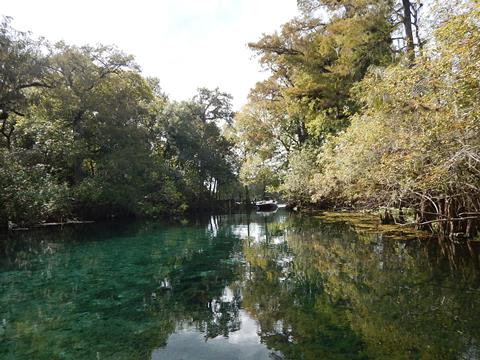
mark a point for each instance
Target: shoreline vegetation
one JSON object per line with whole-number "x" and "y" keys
{"x": 369, "y": 104}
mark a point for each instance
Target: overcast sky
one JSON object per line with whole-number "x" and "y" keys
{"x": 185, "y": 43}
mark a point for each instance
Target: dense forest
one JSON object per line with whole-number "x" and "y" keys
{"x": 371, "y": 104}
{"x": 84, "y": 135}
{"x": 368, "y": 104}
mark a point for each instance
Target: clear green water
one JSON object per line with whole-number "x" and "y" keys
{"x": 236, "y": 287}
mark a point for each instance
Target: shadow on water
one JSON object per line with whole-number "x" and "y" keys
{"x": 241, "y": 286}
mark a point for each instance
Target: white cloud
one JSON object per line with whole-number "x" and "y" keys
{"x": 185, "y": 43}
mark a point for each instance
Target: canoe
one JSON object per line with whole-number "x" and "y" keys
{"x": 266, "y": 205}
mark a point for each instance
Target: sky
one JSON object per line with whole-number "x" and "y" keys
{"x": 185, "y": 43}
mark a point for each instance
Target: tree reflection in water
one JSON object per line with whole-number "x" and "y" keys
{"x": 242, "y": 286}
{"x": 327, "y": 291}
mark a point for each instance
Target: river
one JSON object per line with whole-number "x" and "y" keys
{"x": 244, "y": 286}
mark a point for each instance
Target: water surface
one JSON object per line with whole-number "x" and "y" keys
{"x": 236, "y": 287}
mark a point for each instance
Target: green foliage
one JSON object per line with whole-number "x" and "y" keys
{"x": 99, "y": 139}
{"x": 419, "y": 130}
{"x": 195, "y": 146}
{"x": 342, "y": 122}
{"x": 29, "y": 193}
{"x": 297, "y": 186}
{"x": 21, "y": 72}
{"x": 314, "y": 63}
{"x": 257, "y": 173}
{"x": 417, "y": 139}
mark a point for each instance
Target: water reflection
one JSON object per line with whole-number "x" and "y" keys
{"x": 244, "y": 286}
{"x": 341, "y": 294}
{"x": 241, "y": 343}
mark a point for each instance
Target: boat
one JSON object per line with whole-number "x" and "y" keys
{"x": 266, "y": 205}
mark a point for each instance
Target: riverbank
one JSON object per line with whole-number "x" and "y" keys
{"x": 360, "y": 221}
{"x": 370, "y": 223}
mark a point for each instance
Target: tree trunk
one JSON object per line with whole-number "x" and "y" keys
{"x": 210, "y": 187}
{"x": 387, "y": 217}
{"x": 92, "y": 168}
{"x": 78, "y": 160}
{"x": 407, "y": 23}
{"x": 302, "y": 133}
{"x": 247, "y": 196}
{"x": 7, "y": 134}
{"x": 9, "y": 140}
{"x": 401, "y": 215}
{"x": 421, "y": 214}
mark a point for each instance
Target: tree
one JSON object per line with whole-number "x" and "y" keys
{"x": 404, "y": 17}
{"x": 22, "y": 70}
{"x": 95, "y": 139}
{"x": 415, "y": 143}
{"x": 192, "y": 142}
{"x": 214, "y": 105}
{"x": 314, "y": 63}
{"x": 78, "y": 74}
